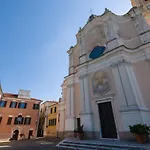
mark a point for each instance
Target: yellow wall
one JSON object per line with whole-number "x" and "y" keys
{"x": 52, "y": 121}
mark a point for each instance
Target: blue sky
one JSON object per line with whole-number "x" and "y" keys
{"x": 34, "y": 38}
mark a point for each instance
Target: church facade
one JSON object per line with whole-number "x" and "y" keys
{"x": 107, "y": 88}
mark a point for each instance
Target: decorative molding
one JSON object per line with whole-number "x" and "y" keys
{"x": 133, "y": 108}
{"x": 85, "y": 113}
{"x": 81, "y": 77}
{"x": 68, "y": 117}
{"x": 100, "y": 83}
{"x": 120, "y": 62}
{"x": 109, "y": 95}
{"x": 70, "y": 85}
{"x": 106, "y": 98}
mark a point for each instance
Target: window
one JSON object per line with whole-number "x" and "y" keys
{"x": 55, "y": 110}
{"x": 1, "y": 119}
{"x": 54, "y": 122}
{"x": 49, "y": 122}
{"x": 27, "y": 121}
{"x": 13, "y": 105}
{"x": 35, "y": 106}
{"x": 18, "y": 120}
{"x": 3, "y": 103}
{"x": 9, "y": 120}
{"x": 22, "y": 105}
{"x": 51, "y": 110}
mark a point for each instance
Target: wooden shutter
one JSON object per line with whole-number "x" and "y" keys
{"x": 1, "y": 119}
{"x": 9, "y": 121}
{"x": 5, "y": 103}
{"x": 29, "y": 121}
{"x": 15, "y": 121}
{"x": 19, "y": 105}
{"x": 25, "y": 106}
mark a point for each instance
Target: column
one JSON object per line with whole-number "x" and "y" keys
{"x": 70, "y": 118}
{"x": 111, "y": 32}
{"x": 141, "y": 25}
{"x": 86, "y": 113}
{"x": 83, "y": 57}
{"x": 132, "y": 106}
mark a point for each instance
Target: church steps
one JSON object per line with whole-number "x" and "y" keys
{"x": 106, "y": 145}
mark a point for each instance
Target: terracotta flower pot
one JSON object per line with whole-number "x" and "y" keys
{"x": 80, "y": 136}
{"x": 141, "y": 138}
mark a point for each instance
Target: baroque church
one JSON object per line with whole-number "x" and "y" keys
{"x": 108, "y": 85}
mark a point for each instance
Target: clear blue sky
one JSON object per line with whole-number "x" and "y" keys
{"x": 34, "y": 38}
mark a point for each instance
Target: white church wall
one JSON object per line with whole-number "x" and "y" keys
{"x": 142, "y": 71}
{"x": 77, "y": 101}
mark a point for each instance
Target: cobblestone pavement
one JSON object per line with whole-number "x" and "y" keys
{"x": 45, "y": 144}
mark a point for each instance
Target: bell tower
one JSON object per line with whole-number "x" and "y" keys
{"x": 146, "y": 8}
{"x": 140, "y": 2}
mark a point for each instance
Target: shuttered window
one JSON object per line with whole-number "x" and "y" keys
{"x": 9, "y": 121}
{"x": 22, "y": 105}
{"x": 27, "y": 121}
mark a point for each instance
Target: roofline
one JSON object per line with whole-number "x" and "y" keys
{"x": 53, "y": 104}
{"x": 49, "y": 101}
{"x": 20, "y": 98}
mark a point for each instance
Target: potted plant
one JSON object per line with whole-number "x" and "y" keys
{"x": 80, "y": 132}
{"x": 140, "y": 132}
{"x": 75, "y": 133}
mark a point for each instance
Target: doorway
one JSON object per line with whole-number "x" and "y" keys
{"x": 15, "y": 135}
{"x": 78, "y": 123}
{"x": 107, "y": 120}
{"x": 30, "y": 134}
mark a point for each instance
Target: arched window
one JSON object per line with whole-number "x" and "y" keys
{"x": 19, "y": 120}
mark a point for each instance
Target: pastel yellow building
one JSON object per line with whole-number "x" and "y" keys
{"x": 52, "y": 121}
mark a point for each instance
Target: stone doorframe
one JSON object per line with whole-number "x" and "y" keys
{"x": 103, "y": 100}
{"x": 16, "y": 128}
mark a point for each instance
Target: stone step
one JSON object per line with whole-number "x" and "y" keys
{"x": 104, "y": 144}
{"x": 80, "y": 145}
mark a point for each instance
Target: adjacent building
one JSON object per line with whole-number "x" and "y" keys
{"x": 19, "y": 115}
{"x": 145, "y": 5}
{"x": 52, "y": 120}
{"x": 61, "y": 116}
{"x": 107, "y": 87}
{"x": 43, "y": 118}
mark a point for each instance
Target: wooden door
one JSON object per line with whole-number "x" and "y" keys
{"x": 107, "y": 121}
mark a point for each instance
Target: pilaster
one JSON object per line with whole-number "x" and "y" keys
{"x": 132, "y": 107}
{"x": 82, "y": 57}
{"x": 86, "y": 112}
{"x": 113, "y": 40}
{"x": 141, "y": 25}
{"x": 70, "y": 110}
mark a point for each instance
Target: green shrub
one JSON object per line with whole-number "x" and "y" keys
{"x": 140, "y": 129}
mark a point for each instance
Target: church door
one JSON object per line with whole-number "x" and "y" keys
{"x": 107, "y": 121}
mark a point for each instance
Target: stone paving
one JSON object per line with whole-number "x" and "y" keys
{"x": 38, "y": 144}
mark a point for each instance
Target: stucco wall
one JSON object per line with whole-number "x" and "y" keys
{"x": 6, "y": 130}
{"x": 142, "y": 72}
{"x": 77, "y": 100}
